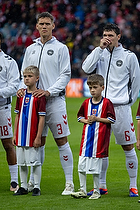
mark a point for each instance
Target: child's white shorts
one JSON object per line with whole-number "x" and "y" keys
{"x": 90, "y": 165}
{"x": 28, "y": 156}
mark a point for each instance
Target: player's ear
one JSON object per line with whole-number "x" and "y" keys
{"x": 119, "y": 36}
{"x": 37, "y": 26}
{"x": 53, "y": 25}
{"x": 37, "y": 78}
{"x": 103, "y": 87}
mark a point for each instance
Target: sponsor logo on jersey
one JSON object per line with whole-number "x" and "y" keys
{"x": 26, "y": 100}
{"x": 50, "y": 52}
{"x": 119, "y": 63}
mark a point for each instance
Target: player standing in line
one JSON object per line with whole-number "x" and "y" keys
{"x": 121, "y": 71}
{"x": 97, "y": 114}
{"x": 53, "y": 60}
{"x": 29, "y": 123}
{"x": 138, "y": 127}
{"x": 9, "y": 82}
{"x": 138, "y": 130}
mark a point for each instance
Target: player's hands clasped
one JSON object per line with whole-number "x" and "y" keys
{"x": 91, "y": 119}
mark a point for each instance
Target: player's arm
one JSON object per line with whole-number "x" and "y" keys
{"x": 15, "y": 129}
{"x": 93, "y": 118}
{"x": 138, "y": 135}
{"x": 83, "y": 120}
{"x": 37, "y": 141}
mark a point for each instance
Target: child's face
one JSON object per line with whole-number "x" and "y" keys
{"x": 30, "y": 79}
{"x": 96, "y": 90}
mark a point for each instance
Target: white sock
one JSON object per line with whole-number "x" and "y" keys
{"x": 14, "y": 173}
{"x": 37, "y": 176}
{"x": 42, "y": 161}
{"x": 66, "y": 159}
{"x": 31, "y": 175}
{"x": 96, "y": 182}
{"x": 105, "y": 163}
{"x": 42, "y": 154}
{"x": 132, "y": 167}
{"x": 82, "y": 179}
{"x": 23, "y": 176}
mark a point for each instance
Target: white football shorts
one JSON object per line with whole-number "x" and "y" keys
{"x": 56, "y": 117}
{"x": 90, "y": 165}
{"x": 123, "y": 128}
{"x": 5, "y": 122}
{"x": 28, "y": 156}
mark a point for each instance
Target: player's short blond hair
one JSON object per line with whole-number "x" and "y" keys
{"x": 32, "y": 69}
{"x": 95, "y": 79}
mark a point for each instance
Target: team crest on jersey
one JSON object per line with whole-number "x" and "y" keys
{"x": 50, "y": 52}
{"x": 0, "y": 68}
{"x": 26, "y": 100}
{"x": 94, "y": 111}
{"x": 119, "y": 63}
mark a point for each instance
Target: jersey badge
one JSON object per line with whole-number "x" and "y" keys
{"x": 26, "y": 100}
{"x": 119, "y": 63}
{"x": 50, "y": 52}
{"x": 94, "y": 111}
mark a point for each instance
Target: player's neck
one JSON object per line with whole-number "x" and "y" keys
{"x": 30, "y": 89}
{"x": 96, "y": 100}
{"x": 45, "y": 39}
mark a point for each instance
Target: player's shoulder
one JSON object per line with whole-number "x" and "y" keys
{"x": 59, "y": 43}
{"x": 128, "y": 52}
{"x": 7, "y": 57}
{"x": 107, "y": 100}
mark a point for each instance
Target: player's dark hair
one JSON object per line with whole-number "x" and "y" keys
{"x": 112, "y": 27}
{"x": 95, "y": 79}
{"x": 45, "y": 14}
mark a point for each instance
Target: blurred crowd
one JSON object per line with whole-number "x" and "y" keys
{"x": 79, "y": 25}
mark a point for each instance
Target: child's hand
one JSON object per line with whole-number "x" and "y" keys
{"x": 138, "y": 144}
{"x": 37, "y": 142}
{"x": 14, "y": 141}
{"x": 91, "y": 119}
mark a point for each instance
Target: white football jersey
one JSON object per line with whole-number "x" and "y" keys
{"x": 9, "y": 78}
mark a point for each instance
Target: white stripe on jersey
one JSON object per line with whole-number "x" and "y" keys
{"x": 29, "y": 122}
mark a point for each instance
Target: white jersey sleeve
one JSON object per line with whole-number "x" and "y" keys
{"x": 9, "y": 76}
{"x": 90, "y": 63}
{"x": 135, "y": 77}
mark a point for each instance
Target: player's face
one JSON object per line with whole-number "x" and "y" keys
{"x": 30, "y": 79}
{"x": 95, "y": 91}
{"x": 112, "y": 37}
{"x": 45, "y": 27}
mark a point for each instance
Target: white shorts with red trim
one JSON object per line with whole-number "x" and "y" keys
{"x": 123, "y": 128}
{"x": 56, "y": 117}
{"x": 5, "y": 122}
